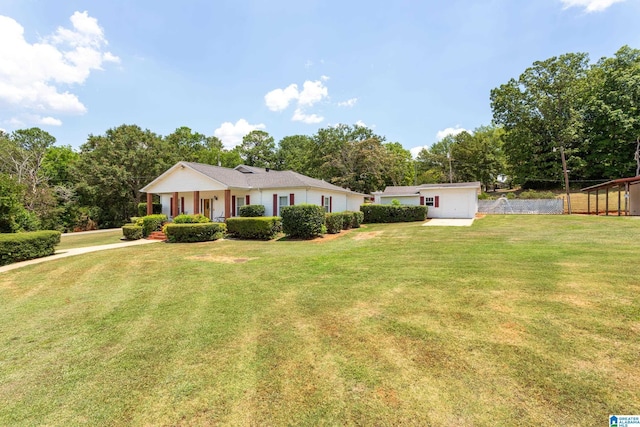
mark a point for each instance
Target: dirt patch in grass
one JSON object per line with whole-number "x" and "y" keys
{"x": 367, "y": 235}
{"x": 219, "y": 258}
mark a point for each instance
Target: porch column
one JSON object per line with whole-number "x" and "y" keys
{"x": 176, "y": 204}
{"x": 227, "y": 204}
{"x": 149, "y": 203}
{"x": 196, "y": 202}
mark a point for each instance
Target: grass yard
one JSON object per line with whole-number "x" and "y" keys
{"x": 518, "y": 320}
{"x": 82, "y": 240}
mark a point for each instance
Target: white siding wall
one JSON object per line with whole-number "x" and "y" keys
{"x": 184, "y": 180}
{"x": 453, "y": 202}
{"x": 340, "y": 201}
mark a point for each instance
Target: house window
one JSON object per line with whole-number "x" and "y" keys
{"x": 239, "y": 202}
{"x": 282, "y": 201}
{"x": 428, "y": 201}
{"x": 327, "y": 204}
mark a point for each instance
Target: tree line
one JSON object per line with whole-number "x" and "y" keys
{"x": 589, "y": 110}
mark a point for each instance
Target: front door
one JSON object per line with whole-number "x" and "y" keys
{"x": 206, "y": 208}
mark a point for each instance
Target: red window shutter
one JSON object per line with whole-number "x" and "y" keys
{"x": 172, "y": 213}
{"x": 181, "y": 204}
{"x": 247, "y": 200}
{"x": 292, "y": 199}
{"x": 421, "y": 200}
{"x": 233, "y": 205}
{"x": 330, "y": 203}
{"x": 275, "y": 205}
{"x": 436, "y": 202}
{"x": 322, "y": 201}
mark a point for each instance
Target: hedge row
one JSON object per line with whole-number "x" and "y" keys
{"x": 252, "y": 210}
{"x": 132, "y": 232}
{"x": 151, "y": 223}
{"x": 190, "y": 219}
{"x": 199, "y": 232}
{"x": 16, "y": 247}
{"x": 303, "y": 221}
{"x": 334, "y": 222}
{"x": 262, "y": 228}
{"x": 142, "y": 209}
{"x": 390, "y": 213}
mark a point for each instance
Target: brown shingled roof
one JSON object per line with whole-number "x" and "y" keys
{"x": 261, "y": 178}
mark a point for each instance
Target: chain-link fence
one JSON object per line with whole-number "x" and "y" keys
{"x": 522, "y": 206}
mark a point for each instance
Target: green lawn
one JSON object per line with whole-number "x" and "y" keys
{"x": 81, "y": 240}
{"x": 518, "y": 320}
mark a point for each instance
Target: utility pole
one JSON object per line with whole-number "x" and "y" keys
{"x": 450, "y": 170}
{"x": 566, "y": 178}
{"x": 637, "y": 156}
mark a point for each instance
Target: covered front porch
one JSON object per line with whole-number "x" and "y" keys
{"x": 216, "y": 205}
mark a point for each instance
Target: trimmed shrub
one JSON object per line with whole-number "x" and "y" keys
{"x": 132, "y": 232}
{"x": 142, "y": 209}
{"x": 151, "y": 223}
{"x": 262, "y": 228}
{"x": 197, "y": 232}
{"x": 303, "y": 221}
{"x": 334, "y": 222}
{"x": 356, "y": 219}
{"x": 252, "y": 210}
{"x": 390, "y": 213}
{"x": 190, "y": 219}
{"x": 347, "y": 220}
{"x": 16, "y": 247}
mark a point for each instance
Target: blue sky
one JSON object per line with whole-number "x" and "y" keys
{"x": 411, "y": 70}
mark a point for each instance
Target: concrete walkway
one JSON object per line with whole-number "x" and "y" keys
{"x": 77, "y": 251}
{"x": 449, "y": 222}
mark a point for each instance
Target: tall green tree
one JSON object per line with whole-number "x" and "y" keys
{"x": 185, "y": 145}
{"x": 540, "y": 111}
{"x": 295, "y": 153}
{"x": 478, "y": 156}
{"x": 399, "y": 165}
{"x": 113, "y": 168}
{"x": 359, "y": 165}
{"x": 330, "y": 145}
{"x": 432, "y": 164}
{"x": 613, "y": 115}
{"x": 23, "y": 153}
{"x": 258, "y": 149}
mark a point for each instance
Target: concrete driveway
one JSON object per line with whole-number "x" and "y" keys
{"x": 77, "y": 251}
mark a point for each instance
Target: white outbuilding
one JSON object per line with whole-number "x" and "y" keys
{"x": 458, "y": 200}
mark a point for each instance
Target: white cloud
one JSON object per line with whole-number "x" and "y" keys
{"x": 348, "y": 103}
{"x": 300, "y": 116}
{"x": 231, "y": 134}
{"x": 449, "y": 131}
{"x": 49, "y": 121}
{"x": 324, "y": 78}
{"x": 590, "y": 5}
{"x": 361, "y": 124}
{"x": 416, "y": 150}
{"x": 35, "y": 77}
{"x": 279, "y": 99}
{"x": 312, "y": 92}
